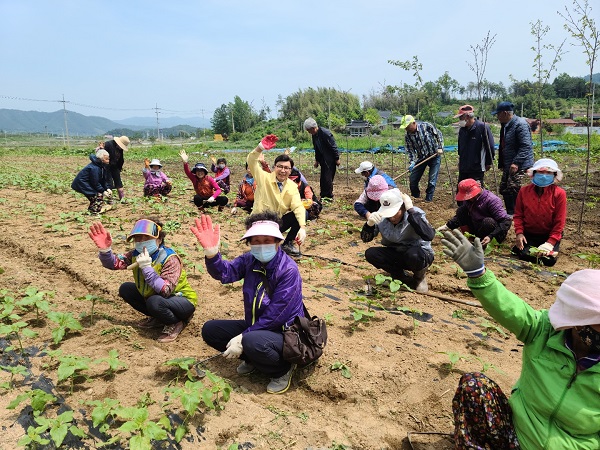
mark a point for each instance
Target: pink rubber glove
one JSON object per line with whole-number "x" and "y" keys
{"x": 208, "y": 237}
{"x": 100, "y": 236}
{"x": 268, "y": 142}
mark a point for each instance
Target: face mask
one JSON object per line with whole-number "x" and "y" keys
{"x": 249, "y": 180}
{"x": 590, "y": 337}
{"x": 264, "y": 252}
{"x": 543, "y": 179}
{"x": 221, "y": 166}
{"x": 154, "y": 172}
{"x": 149, "y": 244}
{"x": 462, "y": 123}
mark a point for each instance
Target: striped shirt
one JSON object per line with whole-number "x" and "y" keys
{"x": 424, "y": 142}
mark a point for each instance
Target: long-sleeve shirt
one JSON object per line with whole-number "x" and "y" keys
{"x": 424, "y": 142}
{"x": 412, "y": 229}
{"x": 220, "y": 174}
{"x": 154, "y": 179}
{"x": 516, "y": 146}
{"x": 475, "y": 147}
{"x": 268, "y": 196}
{"x": 205, "y": 187}
{"x": 543, "y": 214}
{"x": 326, "y": 151}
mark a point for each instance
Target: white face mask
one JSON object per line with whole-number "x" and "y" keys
{"x": 462, "y": 123}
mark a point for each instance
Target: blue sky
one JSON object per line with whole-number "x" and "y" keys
{"x": 189, "y": 57}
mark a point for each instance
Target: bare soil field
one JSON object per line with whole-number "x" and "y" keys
{"x": 399, "y": 380}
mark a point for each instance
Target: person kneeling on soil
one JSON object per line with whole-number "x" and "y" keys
{"x": 208, "y": 192}
{"x": 272, "y": 295}
{"x": 555, "y": 403}
{"x": 157, "y": 183}
{"x": 309, "y": 199}
{"x": 368, "y": 202}
{"x": 481, "y": 213}
{"x": 92, "y": 182}
{"x": 540, "y": 214}
{"x": 161, "y": 290}
{"x": 406, "y": 236}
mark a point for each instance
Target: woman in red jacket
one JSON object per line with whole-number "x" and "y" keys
{"x": 208, "y": 192}
{"x": 540, "y": 214}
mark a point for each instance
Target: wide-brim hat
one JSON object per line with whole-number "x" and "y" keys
{"x": 263, "y": 228}
{"x": 199, "y": 166}
{"x": 577, "y": 301}
{"x": 467, "y": 189}
{"x": 155, "y": 162}
{"x": 546, "y": 164}
{"x": 122, "y": 142}
{"x": 376, "y": 187}
{"x": 391, "y": 202}
{"x": 365, "y": 166}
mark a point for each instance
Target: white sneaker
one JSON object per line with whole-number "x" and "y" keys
{"x": 281, "y": 384}
{"x": 245, "y": 368}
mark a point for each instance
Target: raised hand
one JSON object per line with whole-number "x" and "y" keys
{"x": 184, "y": 156}
{"x": 468, "y": 256}
{"x": 100, "y": 236}
{"x": 268, "y": 142}
{"x": 144, "y": 259}
{"x": 208, "y": 237}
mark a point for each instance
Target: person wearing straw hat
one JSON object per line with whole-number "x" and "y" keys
{"x": 115, "y": 148}
{"x": 424, "y": 144}
{"x": 406, "y": 237}
{"x": 161, "y": 290}
{"x": 368, "y": 202}
{"x": 272, "y": 296}
{"x": 481, "y": 213}
{"x": 326, "y": 155}
{"x": 156, "y": 184}
{"x": 475, "y": 145}
{"x": 540, "y": 214}
{"x": 555, "y": 404}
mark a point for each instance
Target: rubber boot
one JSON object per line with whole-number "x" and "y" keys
{"x": 420, "y": 282}
{"x": 121, "y": 192}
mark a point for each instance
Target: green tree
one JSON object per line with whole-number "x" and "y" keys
{"x": 220, "y": 122}
{"x": 372, "y": 116}
{"x": 242, "y": 115}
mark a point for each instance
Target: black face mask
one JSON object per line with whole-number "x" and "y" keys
{"x": 590, "y": 337}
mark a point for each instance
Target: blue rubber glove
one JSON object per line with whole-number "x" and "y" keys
{"x": 411, "y": 167}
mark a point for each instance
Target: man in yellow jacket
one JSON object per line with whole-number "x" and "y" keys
{"x": 276, "y": 192}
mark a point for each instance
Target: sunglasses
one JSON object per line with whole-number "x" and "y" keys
{"x": 145, "y": 227}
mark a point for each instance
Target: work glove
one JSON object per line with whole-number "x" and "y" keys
{"x": 234, "y": 347}
{"x": 411, "y": 166}
{"x": 213, "y": 159}
{"x": 546, "y": 247}
{"x": 106, "y": 193}
{"x": 440, "y": 151}
{"x": 211, "y": 200}
{"x": 144, "y": 259}
{"x": 408, "y": 204}
{"x": 184, "y": 156}
{"x": 442, "y": 228}
{"x": 301, "y": 236}
{"x": 375, "y": 218}
{"x": 234, "y": 211}
{"x": 208, "y": 237}
{"x": 268, "y": 142}
{"x": 100, "y": 236}
{"x": 468, "y": 256}
{"x": 147, "y": 163}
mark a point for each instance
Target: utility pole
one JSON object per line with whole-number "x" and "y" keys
{"x": 232, "y": 124}
{"x": 66, "y": 125}
{"x": 157, "y": 124}
{"x": 329, "y": 110}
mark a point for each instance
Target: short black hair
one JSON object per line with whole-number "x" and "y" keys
{"x": 264, "y": 215}
{"x": 221, "y": 160}
{"x": 284, "y": 158}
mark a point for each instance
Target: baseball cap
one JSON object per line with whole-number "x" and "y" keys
{"x": 467, "y": 189}
{"x": 406, "y": 121}
{"x": 365, "y": 166}
{"x": 465, "y": 109}
{"x": 391, "y": 202}
{"x": 503, "y": 106}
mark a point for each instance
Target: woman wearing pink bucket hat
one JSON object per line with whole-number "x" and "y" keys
{"x": 368, "y": 201}
{"x": 555, "y": 404}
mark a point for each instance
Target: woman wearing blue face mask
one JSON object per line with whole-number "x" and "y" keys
{"x": 272, "y": 298}
{"x": 540, "y": 214}
{"x": 161, "y": 290}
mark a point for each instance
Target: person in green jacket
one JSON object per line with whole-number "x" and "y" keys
{"x": 555, "y": 404}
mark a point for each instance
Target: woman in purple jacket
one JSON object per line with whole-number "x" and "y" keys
{"x": 272, "y": 298}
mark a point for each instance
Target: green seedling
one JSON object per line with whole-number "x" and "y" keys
{"x": 328, "y": 317}
{"x": 19, "y": 330}
{"x": 454, "y": 358}
{"x": 66, "y": 322}
{"x": 394, "y": 285}
{"x": 461, "y": 314}
{"x": 93, "y": 299}
{"x": 13, "y": 370}
{"x": 71, "y": 367}
{"x": 488, "y": 327}
{"x": 335, "y": 267}
{"x": 343, "y": 368}
{"x": 113, "y": 361}
{"x": 33, "y": 438}
{"x": 36, "y": 299}
{"x": 58, "y": 428}
{"x": 311, "y": 263}
{"x": 592, "y": 259}
{"x": 38, "y": 399}
{"x": 104, "y": 410}
{"x": 7, "y": 308}
{"x": 142, "y": 430}
{"x": 118, "y": 331}
{"x": 185, "y": 364}
{"x": 485, "y": 366}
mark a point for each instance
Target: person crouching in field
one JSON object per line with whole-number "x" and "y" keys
{"x": 208, "y": 192}
{"x": 161, "y": 290}
{"x": 92, "y": 182}
{"x": 245, "y": 194}
{"x": 157, "y": 184}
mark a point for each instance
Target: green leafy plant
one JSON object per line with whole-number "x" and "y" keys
{"x": 19, "y": 330}
{"x": 113, "y": 361}
{"x": 488, "y": 327}
{"x": 37, "y": 398}
{"x": 343, "y": 368}
{"x": 185, "y": 364}
{"x": 36, "y": 299}
{"x": 58, "y": 428}
{"x": 104, "y": 411}
{"x": 66, "y": 322}
{"x": 485, "y": 366}
{"x": 454, "y": 358}
{"x": 13, "y": 370}
{"x": 593, "y": 260}
{"x": 93, "y": 299}
{"x": 71, "y": 367}
{"x": 141, "y": 429}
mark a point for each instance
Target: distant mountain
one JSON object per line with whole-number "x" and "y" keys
{"x": 165, "y": 122}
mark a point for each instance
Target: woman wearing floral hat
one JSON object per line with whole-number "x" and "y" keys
{"x": 540, "y": 214}
{"x": 272, "y": 295}
{"x": 160, "y": 289}
{"x": 368, "y": 202}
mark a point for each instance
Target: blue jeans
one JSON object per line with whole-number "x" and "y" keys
{"x": 262, "y": 348}
{"x": 417, "y": 173}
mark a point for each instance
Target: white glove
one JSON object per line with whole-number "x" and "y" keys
{"x": 144, "y": 259}
{"x": 234, "y": 211}
{"x": 374, "y": 219}
{"x": 440, "y": 151}
{"x": 546, "y": 247}
{"x": 301, "y": 236}
{"x": 234, "y": 347}
{"x": 108, "y": 192}
{"x": 408, "y": 204}
{"x": 442, "y": 228}
{"x": 211, "y": 200}
{"x": 184, "y": 156}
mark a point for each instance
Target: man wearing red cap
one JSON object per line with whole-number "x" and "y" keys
{"x": 475, "y": 145}
{"x": 481, "y": 213}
